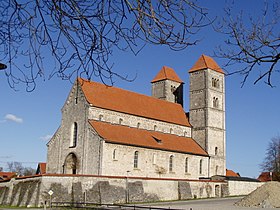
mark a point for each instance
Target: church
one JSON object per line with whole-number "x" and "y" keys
{"x": 108, "y": 131}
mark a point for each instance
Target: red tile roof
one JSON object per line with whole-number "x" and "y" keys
{"x": 265, "y": 177}
{"x": 143, "y": 138}
{"x": 7, "y": 175}
{"x": 41, "y": 168}
{"x": 167, "y": 73}
{"x": 231, "y": 173}
{"x": 269, "y": 176}
{"x": 113, "y": 98}
{"x": 205, "y": 62}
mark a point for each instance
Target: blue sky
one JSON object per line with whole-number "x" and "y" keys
{"x": 27, "y": 120}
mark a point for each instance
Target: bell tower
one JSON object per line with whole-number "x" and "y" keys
{"x": 207, "y": 111}
{"x": 168, "y": 86}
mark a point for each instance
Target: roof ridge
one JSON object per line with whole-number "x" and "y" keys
{"x": 130, "y": 91}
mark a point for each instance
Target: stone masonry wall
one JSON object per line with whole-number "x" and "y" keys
{"x": 137, "y": 122}
{"x": 119, "y": 161}
{"x": 33, "y": 191}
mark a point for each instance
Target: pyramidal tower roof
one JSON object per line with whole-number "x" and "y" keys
{"x": 167, "y": 73}
{"x": 206, "y": 62}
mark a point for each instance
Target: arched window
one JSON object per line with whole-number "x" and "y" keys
{"x": 114, "y": 154}
{"x": 171, "y": 163}
{"x": 171, "y": 131}
{"x": 155, "y": 127}
{"x": 213, "y": 82}
{"x": 138, "y": 125}
{"x": 100, "y": 117}
{"x": 120, "y": 121}
{"x": 74, "y": 137}
{"x": 185, "y": 133}
{"x": 216, "y": 150}
{"x": 200, "y": 166}
{"x": 186, "y": 165}
{"x": 135, "y": 163}
{"x": 215, "y": 102}
{"x": 217, "y": 83}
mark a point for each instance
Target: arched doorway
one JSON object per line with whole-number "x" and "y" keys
{"x": 217, "y": 190}
{"x": 70, "y": 165}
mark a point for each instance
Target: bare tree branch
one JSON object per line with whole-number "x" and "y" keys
{"x": 46, "y": 38}
{"x": 253, "y": 41}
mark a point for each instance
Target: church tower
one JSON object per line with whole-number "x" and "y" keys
{"x": 168, "y": 86}
{"x": 207, "y": 111}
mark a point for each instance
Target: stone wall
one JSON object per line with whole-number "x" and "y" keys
{"x": 33, "y": 191}
{"x": 114, "y": 117}
{"x": 151, "y": 163}
{"x": 242, "y": 187}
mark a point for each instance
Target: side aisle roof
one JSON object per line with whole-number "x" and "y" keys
{"x": 125, "y": 135}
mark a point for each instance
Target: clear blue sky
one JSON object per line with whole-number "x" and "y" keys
{"x": 27, "y": 120}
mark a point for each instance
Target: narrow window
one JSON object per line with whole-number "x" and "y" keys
{"x": 186, "y": 165}
{"x": 185, "y": 133}
{"x": 138, "y": 125}
{"x": 100, "y": 117}
{"x": 216, "y": 150}
{"x": 154, "y": 158}
{"x": 74, "y": 135}
{"x": 155, "y": 127}
{"x": 171, "y": 130}
{"x": 114, "y": 154}
{"x": 213, "y": 82}
{"x": 120, "y": 121}
{"x": 135, "y": 164}
{"x": 215, "y": 102}
{"x": 171, "y": 163}
{"x": 200, "y": 166}
{"x": 218, "y": 84}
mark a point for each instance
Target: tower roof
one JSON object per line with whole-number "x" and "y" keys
{"x": 167, "y": 73}
{"x": 206, "y": 62}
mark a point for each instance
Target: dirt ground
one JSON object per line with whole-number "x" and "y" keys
{"x": 206, "y": 204}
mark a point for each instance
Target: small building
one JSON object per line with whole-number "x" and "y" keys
{"x": 41, "y": 168}
{"x": 7, "y": 175}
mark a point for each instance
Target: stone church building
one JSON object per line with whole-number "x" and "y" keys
{"x": 109, "y": 131}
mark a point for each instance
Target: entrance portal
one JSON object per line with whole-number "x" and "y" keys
{"x": 70, "y": 165}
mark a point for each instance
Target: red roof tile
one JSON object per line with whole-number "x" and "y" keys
{"x": 144, "y": 138}
{"x": 113, "y": 98}
{"x": 7, "y": 175}
{"x": 167, "y": 73}
{"x": 41, "y": 168}
{"x": 205, "y": 62}
{"x": 231, "y": 173}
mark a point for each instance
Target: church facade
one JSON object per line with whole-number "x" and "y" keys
{"x": 109, "y": 131}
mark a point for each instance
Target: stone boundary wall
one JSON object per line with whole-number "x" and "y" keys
{"x": 33, "y": 191}
{"x": 242, "y": 187}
